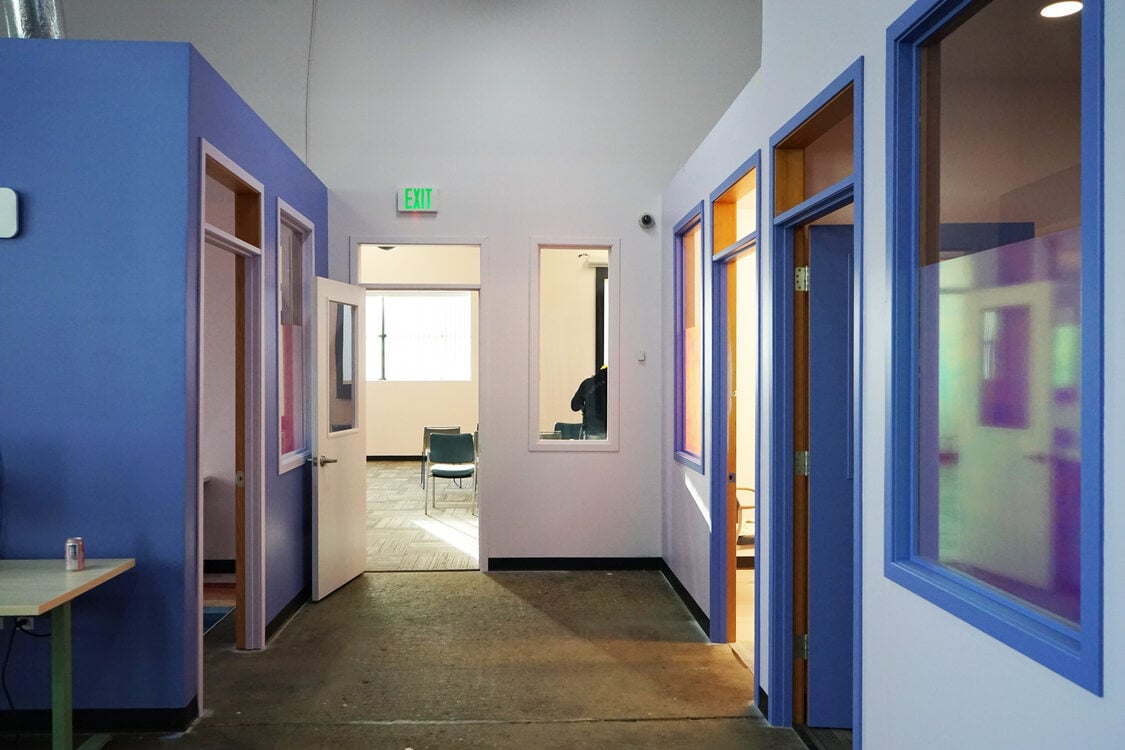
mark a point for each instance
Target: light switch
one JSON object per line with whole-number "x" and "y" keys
{"x": 9, "y": 213}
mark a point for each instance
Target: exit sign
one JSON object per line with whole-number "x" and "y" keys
{"x": 417, "y": 199}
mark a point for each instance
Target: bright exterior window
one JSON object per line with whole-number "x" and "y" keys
{"x": 292, "y": 338}
{"x": 997, "y": 345}
{"x": 415, "y": 336}
{"x": 689, "y": 340}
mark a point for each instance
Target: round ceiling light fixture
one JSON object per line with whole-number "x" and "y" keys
{"x": 1061, "y": 10}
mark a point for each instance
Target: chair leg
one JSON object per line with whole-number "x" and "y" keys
{"x": 422, "y": 473}
{"x": 427, "y": 499}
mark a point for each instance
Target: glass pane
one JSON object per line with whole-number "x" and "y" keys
{"x": 428, "y": 336}
{"x": 341, "y": 407}
{"x": 999, "y": 287}
{"x": 574, "y": 343}
{"x": 291, "y": 341}
{"x": 736, "y": 212}
{"x": 816, "y": 155}
{"x": 691, "y": 372}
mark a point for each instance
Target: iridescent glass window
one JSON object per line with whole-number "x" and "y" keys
{"x": 998, "y": 308}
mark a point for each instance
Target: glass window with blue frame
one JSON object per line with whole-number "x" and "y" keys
{"x": 689, "y": 339}
{"x": 994, "y": 193}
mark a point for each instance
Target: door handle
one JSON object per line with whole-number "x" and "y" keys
{"x": 321, "y": 461}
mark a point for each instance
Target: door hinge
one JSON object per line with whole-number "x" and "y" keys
{"x": 801, "y": 646}
{"x": 801, "y": 463}
{"x": 240, "y": 479}
{"x": 801, "y": 279}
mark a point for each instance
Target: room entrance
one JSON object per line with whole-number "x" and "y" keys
{"x": 231, "y": 457}
{"x": 814, "y": 483}
{"x": 734, "y": 468}
{"x": 422, "y": 306}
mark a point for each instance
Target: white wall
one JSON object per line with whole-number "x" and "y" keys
{"x": 216, "y": 445}
{"x": 535, "y": 120}
{"x": 929, "y": 680}
{"x": 560, "y": 120}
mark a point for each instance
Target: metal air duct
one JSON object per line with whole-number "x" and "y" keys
{"x": 40, "y": 19}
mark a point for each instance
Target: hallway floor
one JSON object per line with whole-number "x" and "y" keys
{"x": 481, "y": 660}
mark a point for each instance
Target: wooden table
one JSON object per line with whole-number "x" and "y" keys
{"x": 32, "y": 588}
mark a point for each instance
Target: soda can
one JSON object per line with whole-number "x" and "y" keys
{"x": 75, "y": 553}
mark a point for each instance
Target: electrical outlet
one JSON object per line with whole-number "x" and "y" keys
{"x": 25, "y": 623}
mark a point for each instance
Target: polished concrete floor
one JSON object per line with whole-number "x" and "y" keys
{"x": 480, "y": 660}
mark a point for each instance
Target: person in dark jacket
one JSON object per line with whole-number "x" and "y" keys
{"x": 590, "y": 399}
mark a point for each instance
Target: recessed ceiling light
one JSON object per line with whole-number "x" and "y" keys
{"x": 1059, "y": 10}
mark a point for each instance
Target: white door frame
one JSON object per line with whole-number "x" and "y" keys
{"x": 483, "y": 318}
{"x": 254, "y": 549}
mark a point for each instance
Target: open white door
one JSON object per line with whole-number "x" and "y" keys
{"x": 339, "y": 485}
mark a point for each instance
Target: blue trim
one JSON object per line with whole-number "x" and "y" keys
{"x": 1073, "y": 652}
{"x": 720, "y": 520}
{"x": 857, "y": 417}
{"x": 780, "y": 489}
{"x": 693, "y": 218}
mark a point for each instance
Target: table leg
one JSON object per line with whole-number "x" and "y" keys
{"x": 62, "y": 729}
{"x": 62, "y": 685}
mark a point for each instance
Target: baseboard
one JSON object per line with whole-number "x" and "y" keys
{"x": 218, "y": 566}
{"x": 98, "y": 720}
{"x": 525, "y": 564}
{"x": 415, "y": 457}
{"x": 686, "y": 597}
{"x": 287, "y": 612}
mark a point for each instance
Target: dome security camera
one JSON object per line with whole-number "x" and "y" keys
{"x": 646, "y": 221}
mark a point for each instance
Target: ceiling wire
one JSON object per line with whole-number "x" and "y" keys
{"x": 308, "y": 76}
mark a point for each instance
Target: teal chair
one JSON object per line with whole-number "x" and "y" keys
{"x": 452, "y": 456}
{"x": 426, "y": 432}
{"x": 569, "y": 430}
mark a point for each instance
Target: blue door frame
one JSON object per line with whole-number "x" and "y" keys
{"x": 777, "y": 359}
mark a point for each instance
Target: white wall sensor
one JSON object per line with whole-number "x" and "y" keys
{"x": 9, "y": 213}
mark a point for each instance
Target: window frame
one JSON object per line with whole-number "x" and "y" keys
{"x": 291, "y": 218}
{"x": 1072, "y": 652}
{"x": 694, "y": 218}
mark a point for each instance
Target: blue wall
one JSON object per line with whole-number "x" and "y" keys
{"x": 98, "y": 337}
{"x": 220, "y": 116}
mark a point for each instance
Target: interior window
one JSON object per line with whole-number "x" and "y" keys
{"x": 999, "y": 279}
{"x": 997, "y": 451}
{"x": 689, "y": 341}
{"x": 293, "y": 264}
{"x": 573, "y": 344}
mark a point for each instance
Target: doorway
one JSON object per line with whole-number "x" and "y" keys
{"x": 735, "y": 218}
{"x": 423, "y": 373}
{"x": 814, "y": 484}
{"x": 738, "y": 290}
{"x": 231, "y": 458}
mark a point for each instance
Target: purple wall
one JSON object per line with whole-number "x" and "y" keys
{"x": 98, "y": 334}
{"x": 220, "y": 116}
